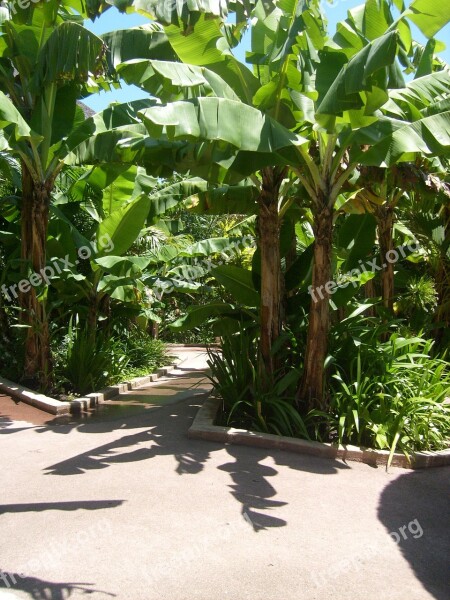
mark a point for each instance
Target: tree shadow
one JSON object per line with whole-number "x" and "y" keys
{"x": 165, "y": 434}
{"x": 251, "y": 487}
{"x": 5, "y": 421}
{"x": 74, "y": 505}
{"x": 39, "y": 589}
{"x": 419, "y": 501}
{"x": 15, "y": 411}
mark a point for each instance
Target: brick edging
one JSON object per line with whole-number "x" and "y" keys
{"x": 76, "y": 406}
{"x": 91, "y": 400}
{"x": 41, "y": 401}
{"x": 203, "y": 428}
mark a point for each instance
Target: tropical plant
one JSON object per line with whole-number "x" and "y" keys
{"x": 143, "y": 353}
{"x": 49, "y": 62}
{"x": 393, "y": 396}
{"x": 351, "y": 75}
{"x": 245, "y": 397}
{"x": 89, "y": 365}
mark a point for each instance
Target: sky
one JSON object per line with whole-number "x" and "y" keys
{"x": 112, "y": 19}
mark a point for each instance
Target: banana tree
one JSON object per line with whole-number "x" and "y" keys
{"x": 48, "y": 61}
{"x": 131, "y": 275}
{"x": 211, "y": 70}
{"x": 353, "y": 74}
{"x": 175, "y": 137}
{"x": 383, "y": 187}
{"x": 338, "y": 90}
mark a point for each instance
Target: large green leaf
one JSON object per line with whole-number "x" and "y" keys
{"x": 186, "y": 11}
{"x": 177, "y": 135}
{"x": 399, "y": 141}
{"x": 377, "y": 18}
{"x": 99, "y": 178}
{"x": 212, "y": 246}
{"x": 210, "y": 119}
{"x": 423, "y": 91}
{"x": 430, "y": 17}
{"x": 122, "y": 227}
{"x": 357, "y": 237}
{"x": 119, "y": 191}
{"x": 355, "y": 76}
{"x": 71, "y": 53}
{"x": 198, "y": 315}
{"x": 10, "y": 116}
{"x": 239, "y": 283}
{"x": 117, "y": 136}
{"x": 144, "y": 42}
{"x": 167, "y": 80}
{"x": 123, "y": 266}
{"x": 206, "y": 46}
{"x": 117, "y": 123}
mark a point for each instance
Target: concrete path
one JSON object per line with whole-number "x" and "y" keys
{"x": 122, "y": 505}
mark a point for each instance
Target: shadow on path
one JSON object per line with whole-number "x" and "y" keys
{"x": 38, "y": 589}
{"x": 421, "y": 496}
{"x": 5, "y": 425}
{"x": 75, "y": 505}
{"x": 166, "y": 435}
{"x": 5, "y": 421}
{"x": 252, "y": 488}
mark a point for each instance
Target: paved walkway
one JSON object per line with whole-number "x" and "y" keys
{"x": 122, "y": 505}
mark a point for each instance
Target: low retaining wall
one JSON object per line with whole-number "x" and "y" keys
{"x": 203, "y": 428}
{"x": 56, "y": 407}
{"x": 45, "y": 403}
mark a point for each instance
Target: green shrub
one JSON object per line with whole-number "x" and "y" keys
{"x": 392, "y": 397}
{"x": 246, "y": 403}
{"x": 384, "y": 394}
{"x": 90, "y": 363}
{"x": 12, "y": 354}
{"x": 144, "y": 353}
{"x": 419, "y": 301}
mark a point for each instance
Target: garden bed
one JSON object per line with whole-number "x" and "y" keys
{"x": 204, "y": 428}
{"x": 78, "y": 405}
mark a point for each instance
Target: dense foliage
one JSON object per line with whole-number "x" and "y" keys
{"x": 296, "y": 207}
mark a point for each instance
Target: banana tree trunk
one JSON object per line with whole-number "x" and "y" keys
{"x": 442, "y": 278}
{"x": 153, "y": 328}
{"x": 92, "y": 315}
{"x": 385, "y": 225}
{"x": 269, "y": 243}
{"x": 370, "y": 292}
{"x": 311, "y": 391}
{"x": 34, "y": 224}
{"x": 4, "y": 324}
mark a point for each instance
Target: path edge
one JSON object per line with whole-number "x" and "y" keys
{"x": 78, "y": 405}
{"x": 203, "y": 428}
